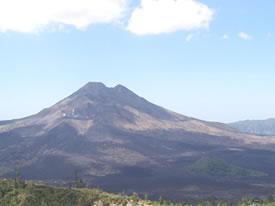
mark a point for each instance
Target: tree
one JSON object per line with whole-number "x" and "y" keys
{"x": 146, "y": 196}
{"x": 78, "y": 182}
{"x": 135, "y": 198}
{"x": 19, "y": 183}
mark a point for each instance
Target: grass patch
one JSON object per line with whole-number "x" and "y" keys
{"x": 218, "y": 167}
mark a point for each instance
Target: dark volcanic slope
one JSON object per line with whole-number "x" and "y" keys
{"x": 259, "y": 127}
{"x": 122, "y": 142}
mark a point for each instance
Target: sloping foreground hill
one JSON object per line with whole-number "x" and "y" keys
{"x": 32, "y": 194}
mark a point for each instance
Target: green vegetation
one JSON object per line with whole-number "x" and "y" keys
{"x": 217, "y": 167}
{"x": 78, "y": 182}
{"x": 33, "y": 194}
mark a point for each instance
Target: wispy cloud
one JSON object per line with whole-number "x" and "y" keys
{"x": 189, "y": 37}
{"x": 269, "y": 35}
{"x": 34, "y": 15}
{"x": 225, "y": 36}
{"x": 165, "y": 16}
{"x": 245, "y": 36}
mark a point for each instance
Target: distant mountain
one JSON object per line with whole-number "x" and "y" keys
{"x": 119, "y": 141}
{"x": 259, "y": 127}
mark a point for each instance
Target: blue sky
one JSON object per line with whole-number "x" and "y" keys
{"x": 223, "y": 70}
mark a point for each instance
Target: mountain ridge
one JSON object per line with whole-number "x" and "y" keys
{"x": 85, "y": 104}
{"x": 258, "y": 127}
{"x": 119, "y": 140}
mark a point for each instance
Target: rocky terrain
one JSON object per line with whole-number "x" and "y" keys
{"x": 120, "y": 142}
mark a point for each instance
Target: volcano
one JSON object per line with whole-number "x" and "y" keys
{"x": 119, "y": 141}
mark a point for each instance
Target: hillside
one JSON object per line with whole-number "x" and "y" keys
{"x": 121, "y": 142}
{"x": 218, "y": 167}
{"x": 259, "y": 127}
{"x": 34, "y": 194}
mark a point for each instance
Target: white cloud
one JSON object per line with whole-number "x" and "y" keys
{"x": 269, "y": 35}
{"x": 165, "y": 16}
{"x": 34, "y": 15}
{"x": 245, "y": 36}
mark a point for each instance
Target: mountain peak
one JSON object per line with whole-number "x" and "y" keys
{"x": 119, "y": 86}
{"x": 122, "y": 90}
{"x": 93, "y": 85}
{"x": 91, "y": 88}
{"x": 96, "y": 89}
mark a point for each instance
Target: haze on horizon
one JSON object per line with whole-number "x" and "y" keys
{"x": 214, "y": 62}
